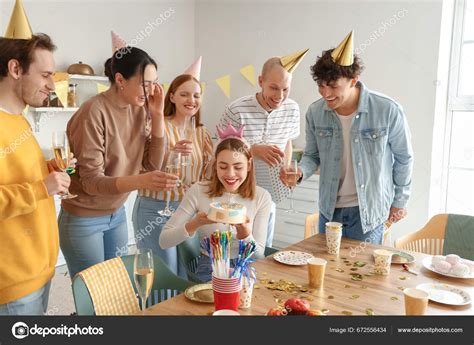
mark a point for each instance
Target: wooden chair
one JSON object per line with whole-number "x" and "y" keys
{"x": 311, "y": 226}
{"x": 427, "y": 240}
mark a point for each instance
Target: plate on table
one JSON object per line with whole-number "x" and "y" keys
{"x": 200, "y": 293}
{"x": 399, "y": 257}
{"x": 428, "y": 265}
{"x": 445, "y": 294}
{"x": 292, "y": 257}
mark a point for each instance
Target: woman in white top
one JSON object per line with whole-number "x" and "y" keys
{"x": 233, "y": 180}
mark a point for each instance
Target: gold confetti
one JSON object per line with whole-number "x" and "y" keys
{"x": 256, "y": 286}
{"x": 339, "y": 270}
{"x": 394, "y": 298}
{"x": 345, "y": 312}
{"x": 346, "y": 261}
{"x": 330, "y": 297}
{"x": 356, "y": 276}
{"x": 369, "y": 311}
{"x": 401, "y": 288}
{"x": 325, "y": 311}
{"x": 303, "y": 289}
{"x": 264, "y": 273}
{"x": 402, "y": 278}
{"x": 354, "y": 269}
{"x": 344, "y": 258}
{"x": 347, "y": 286}
{"x": 354, "y": 297}
{"x": 363, "y": 287}
{"x": 332, "y": 260}
{"x": 359, "y": 264}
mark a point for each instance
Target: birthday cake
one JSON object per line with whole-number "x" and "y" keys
{"x": 230, "y": 213}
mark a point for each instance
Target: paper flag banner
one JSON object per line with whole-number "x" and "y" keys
{"x": 249, "y": 73}
{"x": 224, "y": 84}
{"x": 101, "y": 87}
{"x": 61, "y": 91}
{"x": 203, "y": 87}
{"x": 166, "y": 87}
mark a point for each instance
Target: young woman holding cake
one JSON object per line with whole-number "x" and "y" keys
{"x": 182, "y": 102}
{"x": 231, "y": 192}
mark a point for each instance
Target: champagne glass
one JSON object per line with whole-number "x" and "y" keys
{"x": 173, "y": 166}
{"x": 187, "y": 133}
{"x": 61, "y": 151}
{"x": 292, "y": 178}
{"x": 143, "y": 272}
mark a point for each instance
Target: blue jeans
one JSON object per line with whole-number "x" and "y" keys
{"x": 86, "y": 241}
{"x": 36, "y": 303}
{"x": 352, "y": 226}
{"x": 148, "y": 224}
{"x": 271, "y": 226}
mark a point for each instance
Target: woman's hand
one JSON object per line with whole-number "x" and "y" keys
{"x": 158, "y": 181}
{"x": 199, "y": 220}
{"x": 156, "y": 100}
{"x": 184, "y": 147}
{"x": 243, "y": 230}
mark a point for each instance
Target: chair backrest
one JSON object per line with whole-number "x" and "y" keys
{"x": 311, "y": 226}
{"x": 165, "y": 285}
{"x": 427, "y": 240}
{"x": 189, "y": 252}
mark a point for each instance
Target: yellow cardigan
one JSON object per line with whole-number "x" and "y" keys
{"x": 29, "y": 241}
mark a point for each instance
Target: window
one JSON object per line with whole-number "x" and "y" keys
{"x": 459, "y": 136}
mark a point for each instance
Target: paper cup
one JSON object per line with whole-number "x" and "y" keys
{"x": 333, "y": 237}
{"x": 383, "y": 261}
{"x": 316, "y": 270}
{"x": 246, "y": 294}
{"x": 416, "y": 301}
{"x": 225, "y": 312}
{"x": 226, "y": 293}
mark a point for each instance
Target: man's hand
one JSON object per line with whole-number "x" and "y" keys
{"x": 270, "y": 154}
{"x": 53, "y": 166}
{"x": 285, "y": 178}
{"x": 396, "y": 214}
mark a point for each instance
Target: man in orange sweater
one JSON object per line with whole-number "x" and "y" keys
{"x": 28, "y": 227}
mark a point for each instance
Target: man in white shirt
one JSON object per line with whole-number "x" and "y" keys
{"x": 271, "y": 121}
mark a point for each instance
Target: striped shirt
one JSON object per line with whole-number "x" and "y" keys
{"x": 194, "y": 172}
{"x": 262, "y": 127}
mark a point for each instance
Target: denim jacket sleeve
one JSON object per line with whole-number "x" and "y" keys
{"x": 400, "y": 144}
{"x": 310, "y": 160}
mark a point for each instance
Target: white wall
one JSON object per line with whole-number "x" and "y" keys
{"x": 401, "y": 63}
{"x": 231, "y": 34}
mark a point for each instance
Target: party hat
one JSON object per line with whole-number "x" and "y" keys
{"x": 343, "y": 55}
{"x": 19, "y": 26}
{"x": 117, "y": 42}
{"x": 195, "y": 69}
{"x": 290, "y": 62}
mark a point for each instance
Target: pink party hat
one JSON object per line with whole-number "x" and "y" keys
{"x": 230, "y": 132}
{"x": 195, "y": 69}
{"x": 117, "y": 42}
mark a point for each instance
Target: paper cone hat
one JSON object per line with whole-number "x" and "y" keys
{"x": 343, "y": 55}
{"x": 117, "y": 42}
{"x": 290, "y": 62}
{"x": 195, "y": 69}
{"x": 19, "y": 26}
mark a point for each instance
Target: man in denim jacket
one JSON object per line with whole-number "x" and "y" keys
{"x": 360, "y": 140}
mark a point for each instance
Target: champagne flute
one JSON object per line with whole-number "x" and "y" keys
{"x": 187, "y": 133}
{"x": 292, "y": 178}
{"x": 144, "y": 273}
{"x": 61, "y": 151}
{"x": 173, "y": 166}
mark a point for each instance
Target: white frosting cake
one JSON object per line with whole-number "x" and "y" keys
{"x": 227, "y": 213}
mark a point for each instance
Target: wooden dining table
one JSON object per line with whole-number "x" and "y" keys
{"x": 340, "y": 294}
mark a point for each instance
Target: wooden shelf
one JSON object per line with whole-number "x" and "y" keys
{"x": 89, "y": 77}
